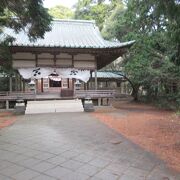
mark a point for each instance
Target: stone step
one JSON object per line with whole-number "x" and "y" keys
{"x": 36, "y": 107}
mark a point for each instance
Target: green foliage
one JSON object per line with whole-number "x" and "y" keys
{"x": 28, "y": 15}
{"x": 115, "y": 20}
{"x": 5, "y": 57}
{"x": 61, "y": 12}
{"x": 153, "y": 63}
{"x": 4, "y": 81}
{"x": 96, "y": 10}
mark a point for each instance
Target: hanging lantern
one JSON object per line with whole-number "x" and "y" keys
{"x": 77, "y": 82}
{"x": 77, "y": 85}
{"x": 31, "y": 82}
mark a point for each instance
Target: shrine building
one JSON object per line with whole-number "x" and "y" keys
{"x": 70, "y": 53}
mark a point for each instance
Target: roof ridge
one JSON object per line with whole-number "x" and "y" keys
{"x": 74, "y": 20}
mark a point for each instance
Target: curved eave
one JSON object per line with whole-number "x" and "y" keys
{"x": 80, "y": 49}
{"x": 104, "y": 55}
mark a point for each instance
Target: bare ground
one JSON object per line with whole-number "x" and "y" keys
{"x": 155, "y": 130}
{"x": 6, "y": 119}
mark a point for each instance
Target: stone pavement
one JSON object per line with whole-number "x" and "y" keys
{"x": 52, "y": 106}
{"x": 73, "y": 146}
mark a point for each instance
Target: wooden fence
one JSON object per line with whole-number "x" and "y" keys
{"x": 16, "y": 95}
{"x": 94, "y": 94}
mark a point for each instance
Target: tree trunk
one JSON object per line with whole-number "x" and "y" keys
{"x": 135, "y": 88}
{"x": 135, "y": 94}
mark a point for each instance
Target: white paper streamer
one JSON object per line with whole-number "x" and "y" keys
{"x": 37, "y": 73}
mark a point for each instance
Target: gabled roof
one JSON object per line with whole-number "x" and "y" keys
{"x": 68, "y": 34}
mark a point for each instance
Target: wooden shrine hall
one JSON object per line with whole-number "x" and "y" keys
{"x": 69, "y": 53}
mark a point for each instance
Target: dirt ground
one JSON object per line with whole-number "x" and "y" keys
{"x": 155, "y": 130}
{"x": 6, "y": 119}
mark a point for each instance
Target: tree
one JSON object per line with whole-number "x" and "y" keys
{"x": 27, "y": 15}
{"x": 153, "y": 62}
{"x": 21, "y": 14}
{"x": 61, "y": 12}
{"x": 96, "y": 10}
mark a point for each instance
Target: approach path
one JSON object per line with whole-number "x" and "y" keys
{"x": 73, "y": 146}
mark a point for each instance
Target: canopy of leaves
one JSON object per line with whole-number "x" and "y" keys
{"x": 96, "y": 10}
{"x": 61, "y": 12}
{"x": 21, "y": 14}
{"x": 154, "y": 61}
{"x": 27, "y": 15}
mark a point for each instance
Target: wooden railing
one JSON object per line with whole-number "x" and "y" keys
{"x": 5, "y": 95}
{"x": 94, "y": 94}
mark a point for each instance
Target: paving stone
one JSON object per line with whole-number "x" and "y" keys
{"x": 31, "y": 153}
{"x": 88, "y": 169}
{"x": 6, "y": 155}
{"x": 43, "y": 166}
{"x": 4, "y": 164}
{"x": 131, "y": 177}
{"x": 95, "y": 178}
{"x": 158, "y": 174}
{"x": 2, "y": 177}
{"x": 10, "y": 171}
{"x": 70, "y": 154}
{"x": 29, "y": 162}
{"x": 136, "y": 173}
{"x": 72, "y": 140}
{"x": 118, "y": 168}
{"x": 71, "y": 164}
{"x": 44, "y": 156}
{"x": 58, "y": 172}
{"x": 57, "y": 151}
{"x": 129, "y": 156}
{"x": 107, "y": 175}
{"x": 84, "y": 158}
{"x": 25, "y": 175}
{"x": 44, "y": 177}
{"x": 99, "y": 162}
{"x": 144, "y": 164}
{"x": 76, "y": 176}
{"x": 21, "y": 150}
{"x": 57, "y": 160}
{"x": 18, "y": 158}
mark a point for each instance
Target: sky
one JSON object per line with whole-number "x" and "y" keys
{"x": 52, "y": 3}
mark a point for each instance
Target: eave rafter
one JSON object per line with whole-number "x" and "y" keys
{"x": 104, "y": 56}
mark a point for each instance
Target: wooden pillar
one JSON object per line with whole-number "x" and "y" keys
{"x": 42, "y": 90}
{"x": 87, "y": 85}
{"x": 99, "y": 102}
{"x": 23, "y": 85}
{"x": 68, "y": 83}
{"x": 90, "y": 81}
{"x": 16, "y": 82}
{"x": 36, "y": 86}
{"x": 10, "y": 83}
{"x": 95, "y": 73}
{"x": 20, "y": 83}
{"x": 106, "y": 84}
{"x": 7, "y": 104}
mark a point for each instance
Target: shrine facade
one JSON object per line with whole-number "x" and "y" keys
{"x": 69, "y": 53}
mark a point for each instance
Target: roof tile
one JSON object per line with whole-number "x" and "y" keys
{"x": 68, "y": 33}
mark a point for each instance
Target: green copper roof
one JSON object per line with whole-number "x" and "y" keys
{"x": 69, "y": 34}
{"x": 107, "y": 74}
